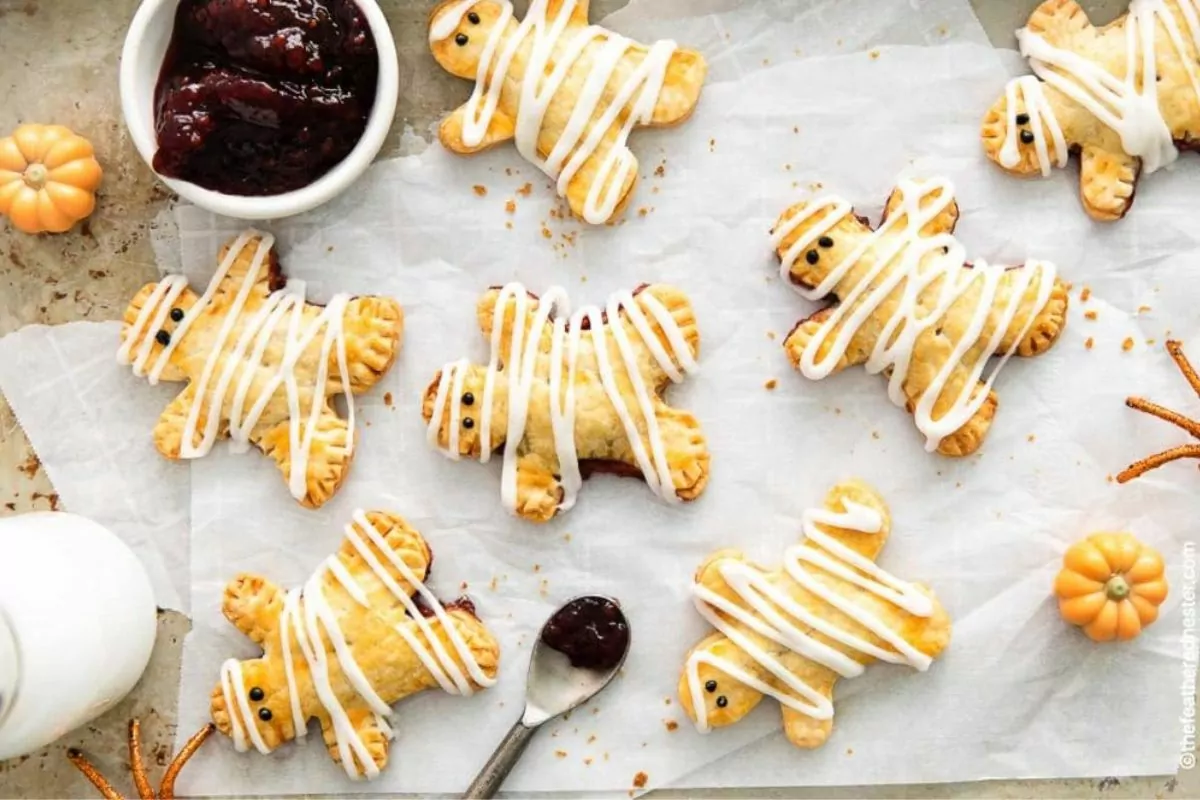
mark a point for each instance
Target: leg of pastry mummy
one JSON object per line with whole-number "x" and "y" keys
{"x": 593, "y": 169}
{"x": 538, "y": 490}
{"x": 1107, "y": 181}
{"x": 401, "y": 540}
{"x": 366, "y": 728}
{"x": 374, "y": 330}
{"x": 1058, "y": 21}
{"x": 450, "y": 132}
{"x": 328, "y": 458}
{"x": 1048, "y": 323}
{"x": 681, "y": 88}
{"x": 253, "y": 604}
{"x": 806, "y": 330}
{"x": 268, "y": 278}
{"x": 967, "y": 439}
{"x": 686, "y": 448}
{"x": 168, "y": 432}
{"x": 942, "y": 223}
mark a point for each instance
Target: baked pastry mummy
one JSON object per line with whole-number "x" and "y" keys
{"x": 363, "y": 633}
{"x": 262, "y": 364}
{"x": 790, "y": 633}
{"x": 1126, "y": 96}
{"x": 565, "y": 394}
{"x": 592, "y": 87}
{"x": 909, "y": 305}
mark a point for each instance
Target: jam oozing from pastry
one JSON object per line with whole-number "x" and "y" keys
{"x": 924, "y": 278}
{"x": 638, "y": 419}
{"x": 620, "y": 84}
{"x": 590, "y": 631}
{"x": 308, "y": 618}
{"x": 263, "y": 97}
{"x": 758, "y": 603}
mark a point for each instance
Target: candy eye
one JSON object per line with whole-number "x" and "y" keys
{"x": 468, "y": 399}
{"x": 461, "y": 40}
{"x": 163, "y": 338}
{"x": 473, "y": 18}
{"x": 257, "y": 694}
{"x": 721, "y": 702}
{"x": 710, "y": 687}
{"x": 468, "y": 423}
{"x": 825, "y": 241}
{"x": 1022, "y": 119}
{"x": 264, "y": 714}
{"x": 176, "y": 314}
{"x": 1027, "y": 137}
{"x": 812, "y": 256}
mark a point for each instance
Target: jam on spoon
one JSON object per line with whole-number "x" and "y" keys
{"x": 260, "y": 97}
{"x": 590, "y": 631}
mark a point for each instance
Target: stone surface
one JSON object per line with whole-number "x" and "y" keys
{"x": 60, "y": 65}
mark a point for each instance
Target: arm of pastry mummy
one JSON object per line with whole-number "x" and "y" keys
{"x": 266, "y": 265}
{"x": 253, "y": 605}
{"x": 942, "y": 223}
{"x": 374, "y": 330}
{"x": 681, "y": 88}
{"x": 1107, "y": 180}
{"x": 402, "y": 541}
{"x": 583, "y": 182}
{"x": 967, "y": 439}
{"x": 366, "y": 726}
{"x": 687, "y": 450}
{"x": 1050, "y": 319}
{"x": 450, "y": 133}
{"x": 486, "y": 314}
{"x": 169, "y": 431}
{"x": 327, "y": 460}
{"x": 1063, "y": 23}
{"x": 805, "y": 332}
{"x": 538, "y": 490}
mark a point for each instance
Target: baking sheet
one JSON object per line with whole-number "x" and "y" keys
{"x": 1017, "y": 695}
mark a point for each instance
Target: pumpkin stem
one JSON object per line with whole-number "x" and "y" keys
{"x": 35, "y": 176}
{"x": 1117, "y": 587}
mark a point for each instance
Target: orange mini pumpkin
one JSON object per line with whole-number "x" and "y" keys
{"x": 48, "y": 178}
{"x": 1111, "y": 585}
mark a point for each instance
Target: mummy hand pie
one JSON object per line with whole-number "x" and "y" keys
{"x": 568, "y": 394}
{"x": 908, "y": 304}
{"x": 363, "y": 633}
{"x": 590, "y": 88}
{"x": 1126, "y": 96}
{"x": 790, "y": 633}
{"x": 262, "y": 365}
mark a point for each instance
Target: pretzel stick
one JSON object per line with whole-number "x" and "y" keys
{"x": 92, "y": 774}
{"x": 167, "y": 788}
{"x": 1139, "y": 468}
{"x": 1173, "y": 417}
{"x": 136, "y": 765}
{"x": 1175, "y": 348}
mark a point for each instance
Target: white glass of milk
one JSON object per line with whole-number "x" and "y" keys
{"x": 77, "y": 624}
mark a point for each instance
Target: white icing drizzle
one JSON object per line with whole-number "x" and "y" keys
{"x": 770, "y": 611}
{"x": 1039, "y": 110}
{"x": 307, "y": 615}
{"x": 520, "y": 367}
{"x": 551, "y": 60}
{"x": 919, "y": 263}
{"x": 246, "y": 353}
{"x": 1128, "y": 106}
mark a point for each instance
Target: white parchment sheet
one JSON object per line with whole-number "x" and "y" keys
{"x": 1016, "y": 695}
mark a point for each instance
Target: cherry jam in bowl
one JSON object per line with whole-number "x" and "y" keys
{"x": 258, "y": 109}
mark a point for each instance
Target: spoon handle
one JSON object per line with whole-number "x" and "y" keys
{"x": 488, "y": 781}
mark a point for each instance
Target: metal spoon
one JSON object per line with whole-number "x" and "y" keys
{"x": 559, "y": 681}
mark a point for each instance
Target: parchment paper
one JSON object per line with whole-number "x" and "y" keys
{"x": 1016, "y": 695}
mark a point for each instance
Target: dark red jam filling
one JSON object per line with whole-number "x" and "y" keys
{"x": 590, "y": 631}
{"x": 260, "y": 97}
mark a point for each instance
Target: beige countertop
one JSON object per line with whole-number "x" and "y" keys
{"x": 60, "y": 64}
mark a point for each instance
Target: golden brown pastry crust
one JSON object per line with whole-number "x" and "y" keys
{"x": 373, "y": 329}
{"x": 1108, "y": 174}
{"x": 684, "y": 76}
{"x": 599, "y": 433}
{"x": 386, "y": 658}
{"x": 731, "y": 699}
{"x": 933, "y": 348}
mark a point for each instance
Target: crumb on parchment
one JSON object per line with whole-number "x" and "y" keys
{"x": 771, "y": 384}
{"x": 480, "y": 190}
{"x": 672, "y": 725}
{"x": 525, "y": 190}
{"x": 1090, "y": 343}
{"x": 510, "y": 206}
{"x": 1127, "y": 345}
{"x": 1091, "y": 315}
{"x": 639, "y": 780}
{"x": 1085, "y": 294}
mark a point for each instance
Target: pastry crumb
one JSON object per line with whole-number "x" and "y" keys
{"x": 643, "y": 211}
{"x": 1151, "y": 342}
{"x": 672, "y": 725}
{"x": 943, "y": 30}
{"x": 591, "y": 738}
{"x": 771, "y": 335}
{"x": 508, "y": 171}
{"x": 849, "y": 751}
{"x": 525, "y": 190}
{"x": 667, "y": 701}
{"x": 327, "y": 250}
{"x": 566, "y": 537}
{"x": 588, "y": 761}
{"x": 712, "y": 145}
{"x": 537, "y": 567}
{"x": 387, "y": 399}
{"x": 874, "y": 54}
{"x": 1089, "y": 315}
{"x": 875, "y": 434}
{"x": 508, "y": 224}
{"x": 640, "y": 779}
{"x": 480, "y": 190}
{"x": 560, "y": 753}
{"x": 595, "y": 710}
{"x": 660, "y": 170}
{"x": 787, "y": 167}
{"x": 795, "y": 129}
{"x": 544, "y": 588}
{"x": 510, "y": 206}
{"x": 1127, "y": 345}
{"x": 546, "y": 234}
{"x": 1143, "y": 309}
{"x": 770, "y": 385}
{"x": 1085, "y": 294}
{"x": 1090, "y": 343}
{"x": 495, "y": 582}
{"x": 1031, "y": 438}
{"x": 1108, "y": 478}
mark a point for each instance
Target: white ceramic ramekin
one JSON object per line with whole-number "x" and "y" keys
{"x": 141, "y": 60}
